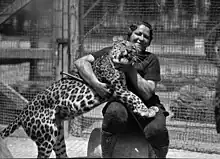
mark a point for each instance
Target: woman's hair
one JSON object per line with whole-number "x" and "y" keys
{"x": 134, "y": 26}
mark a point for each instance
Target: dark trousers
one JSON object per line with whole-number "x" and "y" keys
{"x": 117, "y": 119}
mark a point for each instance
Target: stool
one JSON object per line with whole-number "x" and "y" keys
{"x": 133, "y": 145}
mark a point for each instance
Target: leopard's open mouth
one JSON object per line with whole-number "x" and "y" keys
{"x": 124, "y": 52}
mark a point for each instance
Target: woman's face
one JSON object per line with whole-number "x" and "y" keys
{"x": 141, "y": 37}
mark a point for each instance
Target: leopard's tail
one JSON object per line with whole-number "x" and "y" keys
{"x": 15, "y": 124}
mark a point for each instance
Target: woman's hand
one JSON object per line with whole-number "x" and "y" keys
{"x": 102, "y": 89}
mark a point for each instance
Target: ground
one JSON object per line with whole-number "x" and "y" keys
{"x": 77, "y": 147}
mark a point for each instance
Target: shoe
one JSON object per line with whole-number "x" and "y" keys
{"x": 108, "y": 141}
{"x": 161, "y": 152}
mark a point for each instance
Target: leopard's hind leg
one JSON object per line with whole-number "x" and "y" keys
{"x": 46, "y": 140}
{"x": 60, "y": 145}
{"x": 45, "y": 149}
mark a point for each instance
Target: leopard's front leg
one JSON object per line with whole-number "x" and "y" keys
{"x": 134, "y": 103}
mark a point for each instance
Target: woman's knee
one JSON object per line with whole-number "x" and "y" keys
{"x": 156, "y": 131}
{"x": 156, "y": 127}
{"x": 115, "y": 118}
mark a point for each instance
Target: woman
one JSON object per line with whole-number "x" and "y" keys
{"x": 142, "y": 78}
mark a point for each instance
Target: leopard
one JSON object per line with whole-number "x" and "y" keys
{"x": 69, "y": 97}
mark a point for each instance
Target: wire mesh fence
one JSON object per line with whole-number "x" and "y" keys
{"x": 189, "y": 64}
{"x": 26, "y": 60}
{"x": 188, "y": 84}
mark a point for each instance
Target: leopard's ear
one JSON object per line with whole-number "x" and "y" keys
{"x": 117, "y": 38}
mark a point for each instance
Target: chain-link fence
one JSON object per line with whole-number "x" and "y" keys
{"x": 189, "y": 71}
{"x": 187, "y": 88}
{"x": 27, "y": 56}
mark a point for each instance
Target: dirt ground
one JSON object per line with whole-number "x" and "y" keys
{"x": 77, "y": 147}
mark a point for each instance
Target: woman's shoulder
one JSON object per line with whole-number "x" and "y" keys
{"x": 149, "y": 56}
{"x": 153, "y": 55}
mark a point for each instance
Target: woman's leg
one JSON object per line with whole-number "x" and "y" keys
{"x": 157, "y": 134}
{"x": 116, "y": 119}
{"x": 114, "y": 122}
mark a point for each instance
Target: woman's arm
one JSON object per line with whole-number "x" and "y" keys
{"x": 84, "y": 67}
{"x": 145, "y": 88}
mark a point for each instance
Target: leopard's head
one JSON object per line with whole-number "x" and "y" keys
{"x": 123, "y": 51}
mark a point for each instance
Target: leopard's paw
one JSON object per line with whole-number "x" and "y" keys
{"x": 141, "y": 113}
{"x": 153, "y": 111}
{"x": 155, "y": 108}
{"x": 149, "y": 113}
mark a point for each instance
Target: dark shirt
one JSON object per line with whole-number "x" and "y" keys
{"x": 149, "y": 68}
